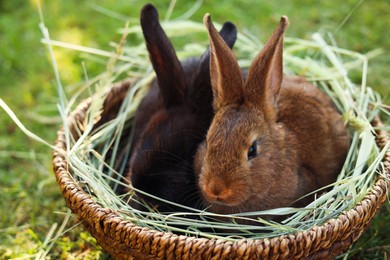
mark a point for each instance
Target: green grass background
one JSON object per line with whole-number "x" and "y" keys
{"x": 31, "y": 202}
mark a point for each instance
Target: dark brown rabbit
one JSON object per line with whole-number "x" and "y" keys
{"x": 273, "y": 138}
{"x": 172, "y": 120}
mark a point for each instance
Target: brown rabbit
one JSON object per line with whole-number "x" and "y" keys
{"x": 273, "y": 138}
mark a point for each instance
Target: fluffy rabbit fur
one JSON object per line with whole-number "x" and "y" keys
{"x": 172, "y": 120}
{"x": 273, "y": 138}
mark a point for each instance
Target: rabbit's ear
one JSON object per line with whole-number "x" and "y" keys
{"x": 266, "y": 72}
{"x": 226, "y": 77}
{"x": 169, "y": 72}
{"x": 201, "y": 96}
{"x": 228, "y": 33}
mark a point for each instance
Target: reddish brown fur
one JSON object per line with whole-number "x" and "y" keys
{"x": 301, "y": 139}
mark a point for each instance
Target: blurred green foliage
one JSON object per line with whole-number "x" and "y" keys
{"x": 31, "y": 200}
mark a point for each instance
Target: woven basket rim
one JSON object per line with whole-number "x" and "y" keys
{"x": 122, "y": 238}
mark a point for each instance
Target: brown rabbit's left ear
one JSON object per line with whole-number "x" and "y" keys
{"x": 226, "y": 78}
{"x": 266, "y": 72}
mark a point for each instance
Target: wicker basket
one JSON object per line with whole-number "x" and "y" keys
{"x": 125, "y": 240}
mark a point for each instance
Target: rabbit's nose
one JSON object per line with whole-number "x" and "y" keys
{"x": 218, "y": 191}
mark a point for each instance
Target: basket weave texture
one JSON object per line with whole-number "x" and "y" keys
{"x": 125, "y": 240}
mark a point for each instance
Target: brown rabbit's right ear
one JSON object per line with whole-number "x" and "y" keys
{"x": 201, "y": 96}
{"x": 169, "y": 72}
{"x": 226, "y": 77}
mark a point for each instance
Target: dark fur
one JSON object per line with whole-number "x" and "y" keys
{"x": 300, "y": 137}
{"x": 172, "y": 119}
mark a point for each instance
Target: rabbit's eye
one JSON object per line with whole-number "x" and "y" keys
{"x": 252, "y": 152}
